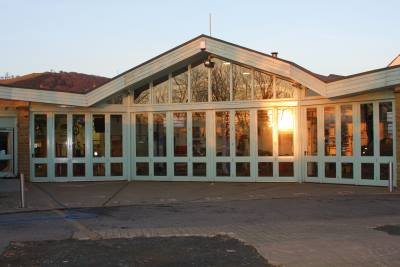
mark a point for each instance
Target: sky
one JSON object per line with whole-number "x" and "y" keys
{"x": 108, "y": 37}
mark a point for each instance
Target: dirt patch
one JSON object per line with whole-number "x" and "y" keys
{"x": 141, "y": 251}
{"x": 390, "y": 229}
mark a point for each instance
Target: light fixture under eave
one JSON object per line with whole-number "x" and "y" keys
{"x": 226, "y": 63}
{"x": 246, "y": 73}
{"x": 208, "y": 63}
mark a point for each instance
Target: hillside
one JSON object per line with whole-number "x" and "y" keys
{"x": 58, "y": 81}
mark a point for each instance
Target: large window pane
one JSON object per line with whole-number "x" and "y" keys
{"x": 330, "y": 131}
{"x": 243, "y": 169}
{"x": 386, "y": 129}
{"x": 199, "y": 82}
{"x": 199, "y": 169}
{"x": 142, "y": 168}
{"x": 160, "y": 169}
{"x": 241, "y": 81}
{"x": 98, "y": 135}
{"x": 346, "y": 120}
{"x": 180, "y": 86}
{"x": 160, "y": 90}
{"x": 40, "y": 146}
{"x": 265, "y": 169}
{"x": 199, "y": 134}
{"x": 285, "y": 132}
{"x": 330, "y": 169}
{"x": 78, "y": 136}
{"x": 159, "y": 135}
{"x": 367, "y": 129}
{"x": 384, "y": 171}
{"x": 242, "y": 133}
{"x": 142, "y": 95}
{"x": 286, "y": 169}
{"x": 265, "y": 132}
{"x": 142, "y": 135}
{"x": 61, "y": 169}
{"x": 60, "y": 135}
{"x": 367, "y": 171}
{"x": 116, "y": 169}
{"x": 180, "y": 169}
{"x": 180, "y": 134}
{"x": 78, "y": 169}
{"x": 40, "y": 170}
{"x": 99, "y": 169}
{"x": 116, "y": 141}
{"x": 284, "y": 89}
{"x": 220, "y": 80}
{"x": 312, "y": 132}
{"x": 347, "y": 170}
{"x": 263, "y": 86}
{"x": 222, "y": 133}
{"x": 312, "y": 169}
{"x": 223, "y": 168}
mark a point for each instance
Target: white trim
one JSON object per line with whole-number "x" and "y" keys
{"x": 352, "y": 85}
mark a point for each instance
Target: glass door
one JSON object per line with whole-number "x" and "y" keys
{"x": 6, "y": 152}
{"x": 242, "y": 150}
{"x": 233, "y": 147}
{"x": 198, "y": 145}
{"x": 160, "y": 146}
{"x": 312, "y": 164}
{"x": 180, "y": 140}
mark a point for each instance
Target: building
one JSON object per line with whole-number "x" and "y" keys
{"x": 208, "y": 110}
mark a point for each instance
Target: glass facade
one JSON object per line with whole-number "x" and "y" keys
{"x": 226, "y": 123}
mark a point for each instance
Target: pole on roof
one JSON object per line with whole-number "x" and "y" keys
{"x": 209, "y": 22}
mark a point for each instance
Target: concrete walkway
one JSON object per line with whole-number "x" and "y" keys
{"x": 47, "y": 196}
{"x": 290, "y": 224}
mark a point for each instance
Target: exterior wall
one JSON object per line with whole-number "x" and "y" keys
{"x": 397, "y": 106}
{"x": 20, "y": 109}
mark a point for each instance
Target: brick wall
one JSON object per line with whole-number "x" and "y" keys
{"x": 397, "y": 103}
{"x": 23, "y": 140}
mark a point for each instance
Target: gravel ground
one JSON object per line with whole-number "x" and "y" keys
{"x": 141, "y": 251}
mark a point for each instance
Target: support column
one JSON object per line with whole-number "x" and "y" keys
{"x": 23, "y": 141}
{"x": 397, "y": 106}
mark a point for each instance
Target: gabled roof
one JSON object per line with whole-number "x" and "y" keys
{"x": 328, "y": 86}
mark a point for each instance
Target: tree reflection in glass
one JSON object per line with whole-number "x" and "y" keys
{"x": 142, "y": 95}
{"x": 220, "y": 80}
{"x": 241, "y": 81}
{"x": 160, "y": 90}
{"x": 263, "y": 86}
{"x": 180, "y": 86}
{"x": 159, "y": 135}
{"x": 242, "y": 133}
{"x": 283, "y": 88}
{"x": 199, "y": 134}
{"x": 199, "y": 82}
{"x": 222, "y": 134}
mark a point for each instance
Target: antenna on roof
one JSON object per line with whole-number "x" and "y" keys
{"x": 209, "y": 22}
